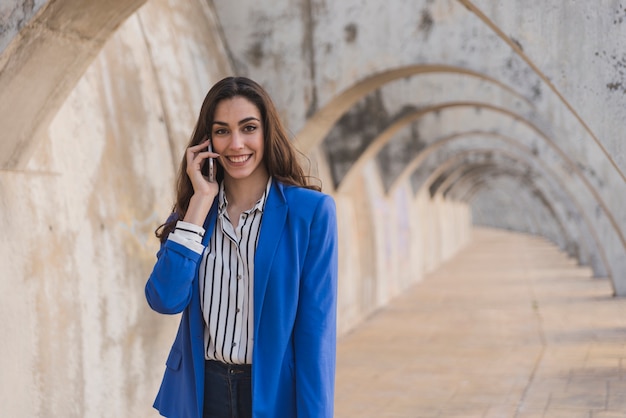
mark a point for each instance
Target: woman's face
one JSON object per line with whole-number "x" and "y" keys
{"x": 237, "y": 135}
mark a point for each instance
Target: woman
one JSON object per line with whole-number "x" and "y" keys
{"x": 251, "y": 261}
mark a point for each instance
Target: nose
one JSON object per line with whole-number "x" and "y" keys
{"x": 236, "y": 140}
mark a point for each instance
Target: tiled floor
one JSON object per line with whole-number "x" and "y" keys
{"x": 509, "y": 328}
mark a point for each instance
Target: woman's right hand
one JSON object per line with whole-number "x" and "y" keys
{"x": 204, "y": 190}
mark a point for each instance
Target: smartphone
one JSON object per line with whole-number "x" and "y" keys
{"x": 211, "y": 165}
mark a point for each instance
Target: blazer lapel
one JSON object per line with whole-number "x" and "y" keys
{"x": 274, "y": 216}
{"x": 209, "y": 223}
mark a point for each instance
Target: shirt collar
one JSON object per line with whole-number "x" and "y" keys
{"x": 259, "y": 206}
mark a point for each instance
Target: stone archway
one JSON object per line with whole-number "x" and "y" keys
{"x": 43, "y": 63}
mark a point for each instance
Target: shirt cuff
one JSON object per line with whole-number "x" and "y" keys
{"x": 188, "y": 234}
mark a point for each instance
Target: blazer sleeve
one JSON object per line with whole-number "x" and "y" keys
{"x": 170, "y": 285}
{"x": 315, "y": 327}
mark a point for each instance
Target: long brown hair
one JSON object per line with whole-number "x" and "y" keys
{"x": 280, "y": 156}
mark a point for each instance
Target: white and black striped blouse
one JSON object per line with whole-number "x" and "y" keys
{"x": 226, "y": 280}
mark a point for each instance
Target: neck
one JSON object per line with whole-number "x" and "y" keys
{"x": 244, "y": 193}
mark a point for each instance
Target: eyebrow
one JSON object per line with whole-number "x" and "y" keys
{"x": 241, "y": 122}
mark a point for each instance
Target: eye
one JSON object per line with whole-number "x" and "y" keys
{"x": 249, "y": 128}
{"x": 220, "y": 132}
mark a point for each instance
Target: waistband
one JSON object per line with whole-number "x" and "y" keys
{"x": 230, "y": 369}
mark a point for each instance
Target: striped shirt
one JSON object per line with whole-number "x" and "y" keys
{"x": 226, "y": 279}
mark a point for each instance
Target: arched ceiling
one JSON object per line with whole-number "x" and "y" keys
{"x": 400, "y": 145}
{"x": 367, "y": 131}
{"x": 548, "y": 193}
{"x": 42, "y": 64}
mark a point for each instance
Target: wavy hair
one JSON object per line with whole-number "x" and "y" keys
{"x": 280, "y": 156}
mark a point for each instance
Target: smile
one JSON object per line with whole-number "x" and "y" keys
{"x": 238, "y": 159}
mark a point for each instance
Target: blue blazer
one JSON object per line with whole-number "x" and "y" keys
{"x": 295, "y": 301}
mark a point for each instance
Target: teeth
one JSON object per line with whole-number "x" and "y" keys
{"x": 239, "y": 158}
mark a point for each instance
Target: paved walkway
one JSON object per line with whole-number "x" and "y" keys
{"x": 509, "y": 328}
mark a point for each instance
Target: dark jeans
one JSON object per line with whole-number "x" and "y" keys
{"x": 227, "y": 390}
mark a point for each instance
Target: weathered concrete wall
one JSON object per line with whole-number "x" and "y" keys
{"x": 43, "y": 61}
{"x": 78, "y": 222}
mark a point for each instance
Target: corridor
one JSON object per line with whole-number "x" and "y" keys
{"x": 510, "y": 327}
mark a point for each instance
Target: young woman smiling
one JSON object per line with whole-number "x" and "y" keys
{"x": 251, "y": 261}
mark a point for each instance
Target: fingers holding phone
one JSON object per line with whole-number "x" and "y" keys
{"x": 201, "y": 167}
{"x": 199, "y": 170}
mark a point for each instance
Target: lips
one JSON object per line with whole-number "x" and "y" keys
{"x": 238, "y": 159}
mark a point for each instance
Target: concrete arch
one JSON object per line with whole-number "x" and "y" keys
{"x": 471, "y": 175}
{"x": 468, "y": 178}
{"x": 574, "y": 168}
{"x": 388, "y": 134}
{"x": 529, "y": 116}
{"x": 317, "y": 126}
{"x": 519, "y": 52}
{"x": 356, "y": 131}
{"x": 557, "y": 186}
{"x": 44, "y": 62}
{"x": 591, "y": 183}
{"x": 542, "y": 128}
{"x": 597, "y": 251}
{"x": 456, "y": 183}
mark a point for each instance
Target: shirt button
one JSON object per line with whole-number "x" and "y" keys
{"x": 234, "y": 344}
{"x": 238, "y": 310}
{"x": 239, "y": 277}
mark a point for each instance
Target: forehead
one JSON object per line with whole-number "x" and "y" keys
{"x": 235, "y": 109}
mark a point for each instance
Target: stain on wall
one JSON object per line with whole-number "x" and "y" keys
{"x": 351, "y": 31}
{"x": 14, "y": 14}
{"x": 426, "y": 23}
{"x": 353, "y": 133}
